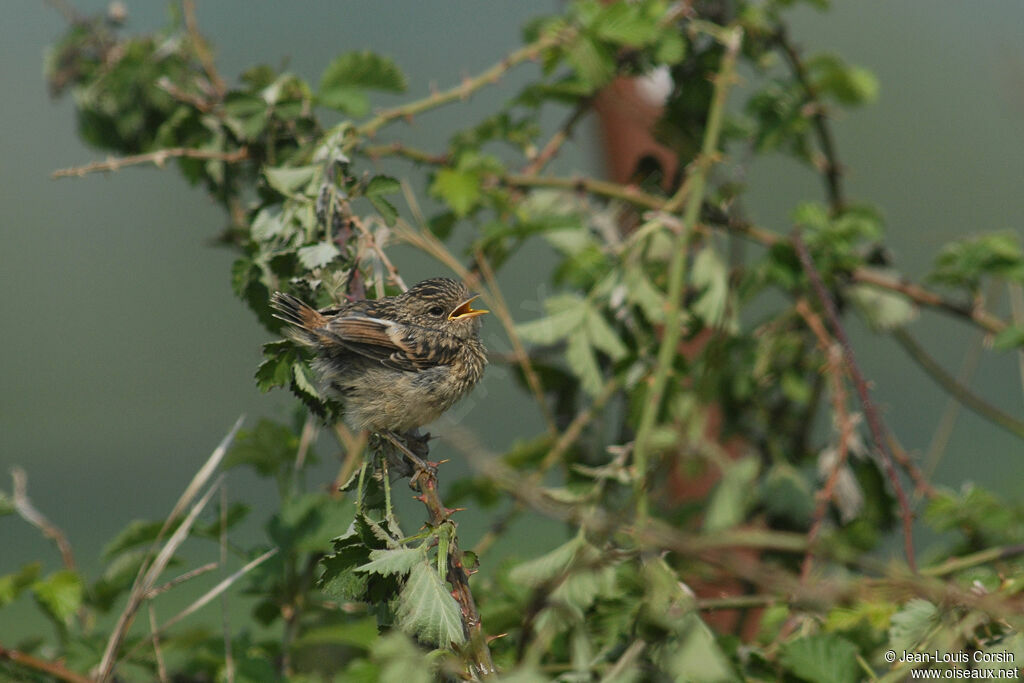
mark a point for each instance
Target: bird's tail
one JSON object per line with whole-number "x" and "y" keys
{"x": 302, "y": 319}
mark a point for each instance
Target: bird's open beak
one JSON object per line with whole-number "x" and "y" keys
{"x": 465, "y": 310}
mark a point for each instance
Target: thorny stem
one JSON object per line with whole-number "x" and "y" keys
{"x": 482, "y": 664}
{"x": 55, "y": 669}
{"x": 694, "y": 189}
{"x": 833, "y": 367}
{"x": 467, "y": 87}
{"x": 158, "y": 158}
{"x": 831, "y": 169}
{"x": 867, "y": 405}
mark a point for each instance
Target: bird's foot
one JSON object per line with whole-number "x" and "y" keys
{"x": 412, "y": 443}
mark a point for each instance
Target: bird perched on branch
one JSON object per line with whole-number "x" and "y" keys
{"x": 396, "y": 363}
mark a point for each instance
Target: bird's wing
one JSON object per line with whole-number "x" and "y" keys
{"x": 398, "y": 346}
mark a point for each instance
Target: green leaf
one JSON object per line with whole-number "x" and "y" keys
{"x": 385, "y": 208}
{"x": 1011, "y": 337}
{"x": 289, "y": 180}
{"x": 400, "y": 660}
{"x": 269, "y": 448}
{"x": 362, "y": 633}
{"x": 138, "y": 532}
{"x": 822, "y": 658}
{"x": 427, "y": 610}
{"x": 711, "y": 275}
{"x": 884, "y": 310}
{"x": 382, "y": 184}
{"x": 555, "y": 327}
{"x": 552, "y": 564}
{"x": 393, "y": 561}
{"x": 362, "y": 70}
{"x": 318, "y": 255}
{"x": 304, "y": 380}
{"x": 850, "y": 85}
{"x": 625, "y": 23}
{"x": 276, "y": 370}
{"x": 602, "y": 336}
{"x": 694, "y": 655}
{"x": 641, "y": 292}
{"x": 583, "y": 363}
{"x": 594, "y": 62}
{"x": 267, "y": 224}
{"x": 460, "y": 189}
{"x": 732, "y": 497}
{"x": 6, "y": 505}
{"x": 911, "y": 625}
{"x": 60, "y": 595}
{"x": 671, "y": 48}
{"x": 11, "y": 585}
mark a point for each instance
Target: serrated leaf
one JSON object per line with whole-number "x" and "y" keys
{"x": 822, "y": 658}
{"x": 393, "y": 561}
{"x": 731, "y": 498}
{"x": 553, "y": 328}
{"x": 626, "y": 24}
{"x": 60, "y": 595}
{"x": 382, "y": 184}
{"x": 602, "y": 336}
{"x": 318, "y": 255}
{"x": 289, "y": 180}
{"x": 427, "y": 610}
{"x": 460, "y": 189}
{"x": 304, "y": 380}
{"x": 267, "y": 224}
{"x": 276, "y": 370}
{"x": 583, "y": 363}
{"x": 641, "y": 292}
{"x": 594, "y": 63}
{"x": 11, "y": 585}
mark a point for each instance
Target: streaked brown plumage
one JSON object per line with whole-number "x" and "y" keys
{"x": 399, "y": 362}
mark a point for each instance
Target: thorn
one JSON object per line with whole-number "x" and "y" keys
{"x": 421, "y": 498}
{"x": 491, "y": 639}
{"x": 451, "y": 511}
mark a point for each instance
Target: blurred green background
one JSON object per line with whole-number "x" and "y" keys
{"x": 126, "y": 357}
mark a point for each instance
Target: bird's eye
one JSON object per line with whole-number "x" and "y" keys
{"x": 436, "y": 311}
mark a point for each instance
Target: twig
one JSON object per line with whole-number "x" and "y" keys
{"x": 867, "y": 405}
{"x": 737, "y": 602}
{"x": 971, "y": 400}
{"x": 205, "y": 598}
{"x": 158, "y": 158}
{"x": 501, "y": 310}
{"x": 375, "y": 246}
{"x": 830, "y": 167}
{"x": 178, "y": 580}
{"x": 400, "y": 149}
{"x": 558, "y": 139}
{"x": 694, "y": 189}
{"x": 833, "y": 367}
{"x": 202, "y": 49}
{"x": 956, "y": 564}
{"x": 925, "y": 297}
{"x": 150, "y": 571}
{"x": 625, "y": 660}
{"x": 161, "y": 668}
{"x": 23, "y": 506}
{"x": 54, "y": 669}
{"x": 467, "y": 87}
{"x": 229, "y": 660}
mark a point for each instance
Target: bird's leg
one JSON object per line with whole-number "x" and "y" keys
{"x": 420, "y": 464}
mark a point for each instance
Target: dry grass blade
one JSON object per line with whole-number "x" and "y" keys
{"x": 23, "y": 506}
{"x": 142, "y": 587}
{"x": 207, "y": 597}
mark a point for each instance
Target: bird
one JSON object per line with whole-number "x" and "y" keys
{"x": 398, "y": 362}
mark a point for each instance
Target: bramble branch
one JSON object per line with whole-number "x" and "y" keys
{"x": 867, "y": 405}
{"x": 157, "y": 158}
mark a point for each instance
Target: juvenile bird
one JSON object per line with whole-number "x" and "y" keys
{"x": 398, "y": 362}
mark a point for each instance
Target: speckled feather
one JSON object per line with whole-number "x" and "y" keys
{"x": 397, "y": 363}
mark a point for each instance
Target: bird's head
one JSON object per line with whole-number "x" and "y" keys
{"x": 441, "y": 303}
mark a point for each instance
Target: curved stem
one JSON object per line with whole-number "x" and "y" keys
{"x": 692, "y": 192}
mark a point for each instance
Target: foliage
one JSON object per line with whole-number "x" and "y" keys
{"x": 782, "y": 535}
